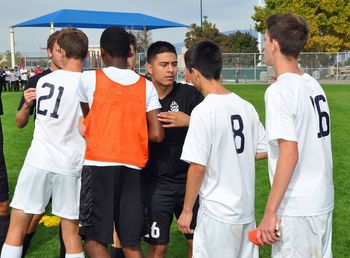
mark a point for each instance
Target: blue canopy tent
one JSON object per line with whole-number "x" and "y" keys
{"x": 93, "y": 19}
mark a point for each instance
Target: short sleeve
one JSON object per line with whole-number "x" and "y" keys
{"x": 197, "y": 146}
{"x": 152, "y": 100}
{"x": 279, "y": 118}
{"x": 262, "y": 145}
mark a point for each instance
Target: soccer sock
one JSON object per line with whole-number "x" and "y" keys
{"x": 26, "y": 242}
{"x": 78, "y": 255}
{"x": 117, "y": 252}
{"x": 10, "y": 251}
{"x": 4, "y": 226}
{"x": 62, "y": 247}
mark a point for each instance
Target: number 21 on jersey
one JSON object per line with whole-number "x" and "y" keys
{"x": 47, "y": 97}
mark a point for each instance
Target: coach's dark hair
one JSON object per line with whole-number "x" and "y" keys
{"x": 206, "y": 57}
{"x": 52, "y": 39}
{"x": 115, "y": 41}
{"x": 290, "y": 31}
{"x": 74, "y": 42}
{"x": 158, "y": 48}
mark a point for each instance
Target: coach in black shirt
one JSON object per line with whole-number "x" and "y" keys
{"x": 164, "y": 178}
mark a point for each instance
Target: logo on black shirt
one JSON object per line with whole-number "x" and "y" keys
{"x": 174, "y": 107}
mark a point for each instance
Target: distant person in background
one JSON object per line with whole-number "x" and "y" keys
{"x": 2, "y": 79}
{"x": 17, "y": 78}
{"x": 31, "y": 73}
{"x": 13, "y": 80}
{"x": 7, "y": 78}
{"x": 236, "y": 72}
{"x": 23, "y": 76}
{"x": 38, "y": 70}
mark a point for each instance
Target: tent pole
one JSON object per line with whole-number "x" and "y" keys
{"x": 52, "y": 27}
{"x": 12, "y": 47}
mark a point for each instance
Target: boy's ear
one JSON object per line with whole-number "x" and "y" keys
{"x": 275, "y": 45}
{"x": 149, "y": 68}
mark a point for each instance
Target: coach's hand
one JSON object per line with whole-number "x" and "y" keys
{"x": 184, "y": 222}
{"x": 29, "y": 97}
{"x": 174, "y": 119}
{"x": 267, "y": 229}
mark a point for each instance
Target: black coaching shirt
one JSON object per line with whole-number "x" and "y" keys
{"x": 32, "y": 84}
{"x": 164, "y": 164}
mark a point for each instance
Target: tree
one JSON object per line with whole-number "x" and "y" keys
{"x": 329, "y": 21}
{"x": 208, "y": 31}
{"x": 143, "y": 39}
{"x": 5, "y": 59}
{"x": 237, "y": 42}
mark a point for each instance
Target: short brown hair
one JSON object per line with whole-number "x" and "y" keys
{"x": 52, "y": 39}
{"x": 290, "y": 31}
{"x": 74, "y": 42}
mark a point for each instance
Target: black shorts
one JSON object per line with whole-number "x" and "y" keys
{"x": 162, "y": 203}
{"x": 4, "y": 185}
{"x": 111, "y": 196}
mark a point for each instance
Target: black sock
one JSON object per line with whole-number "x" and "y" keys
{"x": 117, "y": 252}
{"x": 62, "y": 247}
{"x": 4, "y": 226}
{"x": 26, "y": 243}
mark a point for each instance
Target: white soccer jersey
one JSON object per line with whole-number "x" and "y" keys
{"x": 224, "y": 135}
{"x": 57, "y": 145}
{"x": 297, "y": 110}
{"x": 86, "y": 89}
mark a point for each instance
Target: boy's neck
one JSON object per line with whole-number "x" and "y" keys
{"x": 287, "y": 65}
{"x": 73, "y": 65}
{"x": 213, "y": 87}
{"x": 117, "y": 62}
{"x": 163, "y": 90}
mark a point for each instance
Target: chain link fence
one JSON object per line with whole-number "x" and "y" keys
{"x": 237, "y": 67}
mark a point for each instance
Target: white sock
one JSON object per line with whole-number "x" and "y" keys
{"x": 11, "y": 251}
{"x": 78, "y": 255}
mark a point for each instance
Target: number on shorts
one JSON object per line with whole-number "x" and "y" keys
{"x": 54, "y": 114}
{"x": 322, "y": 115}
{"x": 155, "y": 231}
{"x": 238, "y": 132}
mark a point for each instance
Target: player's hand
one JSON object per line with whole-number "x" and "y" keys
{"x": 82, "y": 127}
{"x": 184, "y": 222}
{"x": 268, "y": 228}
{"x": 29, "y": 97}
{"x": 174, "y": 119}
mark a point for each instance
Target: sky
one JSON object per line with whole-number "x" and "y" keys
{"x": 226, "y": 14}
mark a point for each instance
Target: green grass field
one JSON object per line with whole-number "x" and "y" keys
{"x": 45, "y": 243}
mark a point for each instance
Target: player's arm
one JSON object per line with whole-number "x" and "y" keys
{"x": 155, "y": 129}
{"x": 261, "y": 155}
{"x": 195, "y": 178}
{"x": 174, "y": 119}
{"x": 22, "y": 115}
{"x": 84, "y": 108}
{"x": 287, "y": 160}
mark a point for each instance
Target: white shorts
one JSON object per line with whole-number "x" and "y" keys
{"x": 35, "y": 187}
{"x": 213, "y": 238}
{"x": 305, "y": 237}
